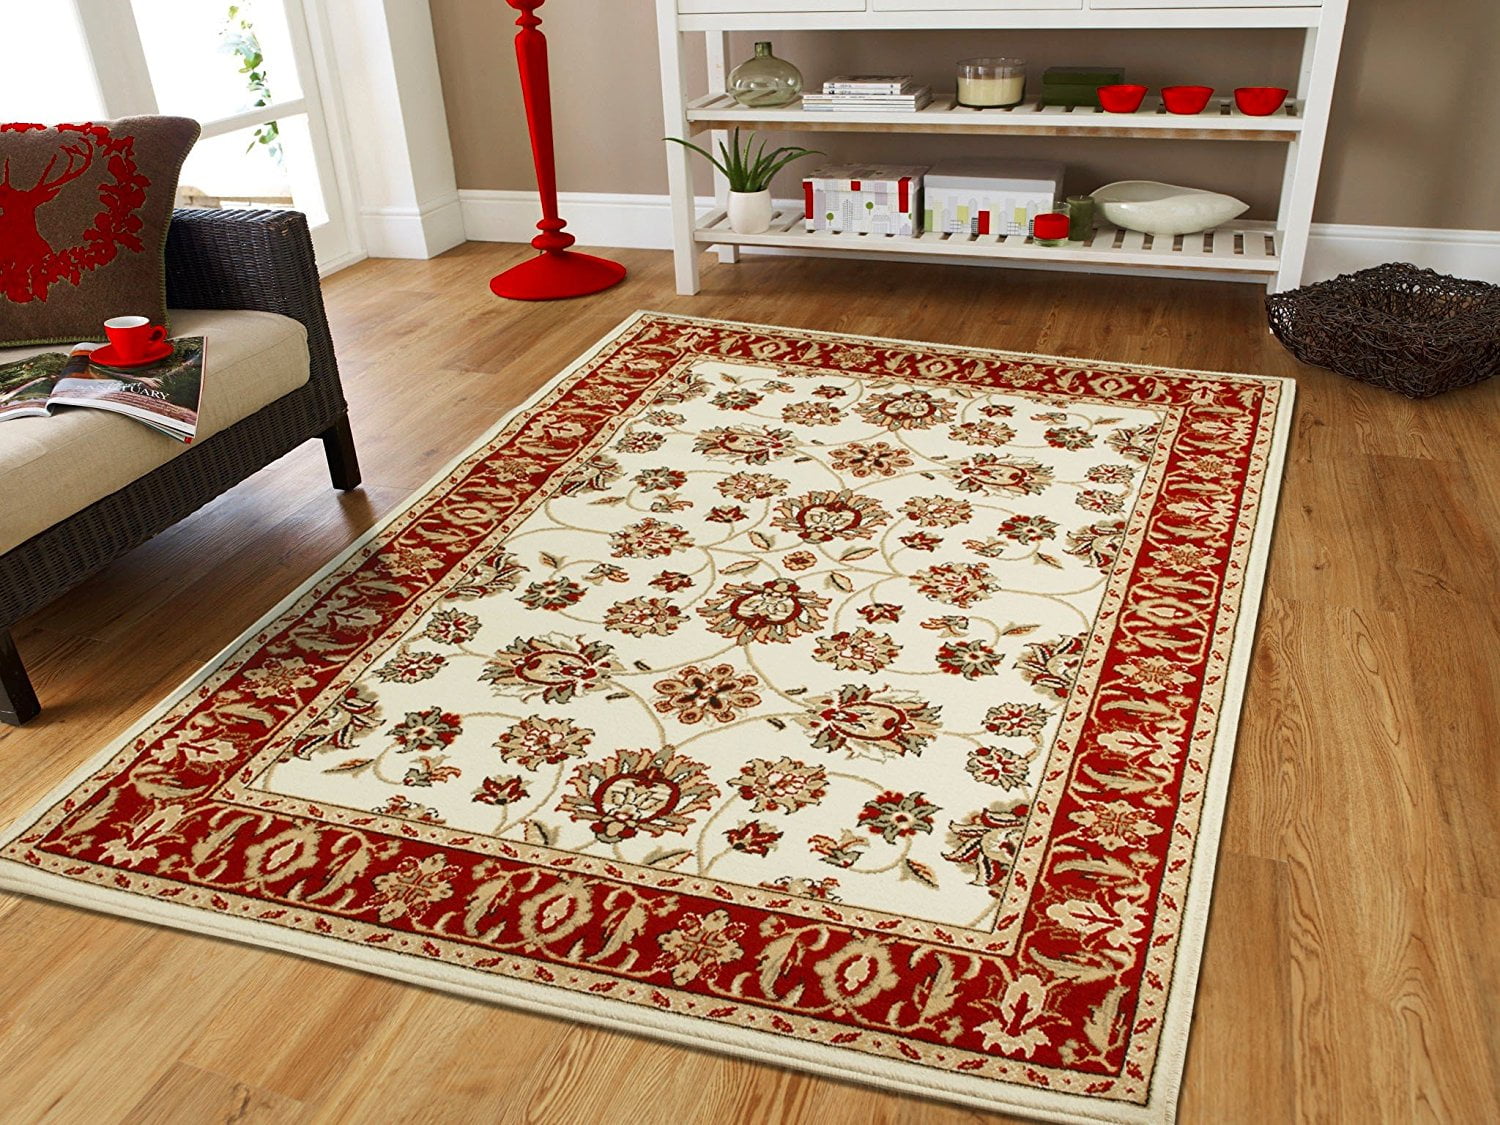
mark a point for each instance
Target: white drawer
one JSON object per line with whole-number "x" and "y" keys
{"x": 1205, "y": 3}
{"x": 756, "y": 7}
{"x": 975, "y": 5}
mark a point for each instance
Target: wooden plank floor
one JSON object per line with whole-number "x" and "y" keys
{"x": 1353, "y": 959}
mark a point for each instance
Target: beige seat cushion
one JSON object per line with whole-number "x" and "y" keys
{"x": 52, "y": 467}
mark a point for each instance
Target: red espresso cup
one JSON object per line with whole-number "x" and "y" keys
{"x": 133, "y": 337}
{"x": 1186, "y": 99}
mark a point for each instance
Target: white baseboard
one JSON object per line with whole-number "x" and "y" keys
{"x": 1336, "y": 248}
{"x": 637, "y": 222}
{"x": 413, "y": 232}
{"x": 328, "y": 266}
{"x": 645, "y": 222}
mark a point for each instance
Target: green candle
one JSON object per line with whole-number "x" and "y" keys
{"x": 1080, "y": 217}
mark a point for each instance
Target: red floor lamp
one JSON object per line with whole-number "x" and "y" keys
{"x": 555, "y": 272}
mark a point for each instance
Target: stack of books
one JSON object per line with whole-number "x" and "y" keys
{"x": 868, "y": 93}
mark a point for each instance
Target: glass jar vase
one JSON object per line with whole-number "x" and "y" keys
{"x": 765, "y": 80}
{"x": 991, "y": 83}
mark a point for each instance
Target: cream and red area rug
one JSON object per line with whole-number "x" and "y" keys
{"x": 850, "y": 704}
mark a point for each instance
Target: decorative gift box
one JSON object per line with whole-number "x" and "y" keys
{"x": 990, "y": 196}
{"x": 865, "y": 199}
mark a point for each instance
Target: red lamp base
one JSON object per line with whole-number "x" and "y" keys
{"x": 555, "y": 274}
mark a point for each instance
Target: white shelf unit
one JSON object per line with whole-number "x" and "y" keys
{"x": 1240, "y": 248}
{"x": 1269, "y": 252}
{"x": 1221, "y": 121}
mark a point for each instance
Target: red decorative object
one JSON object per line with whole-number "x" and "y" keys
{"x": 556, "y": 272}
{"x": 1121, "y": 99}
{"x": 111, "y": 356}
{"x": 1052, "y": 225}
{"x": 1260, "y": 101}
{"x": 133, "y": 337}
{"x": 1186, "y": 99}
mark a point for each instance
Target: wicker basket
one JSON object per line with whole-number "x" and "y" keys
{"x": 1395, "y": 326}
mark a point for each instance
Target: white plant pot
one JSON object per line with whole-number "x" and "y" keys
{"x": 1165, "y": 210}
{"x": 750, "y": 211}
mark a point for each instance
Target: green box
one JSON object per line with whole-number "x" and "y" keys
{"x": 1091, "y": 76}
{"x": 1070, "y": 95}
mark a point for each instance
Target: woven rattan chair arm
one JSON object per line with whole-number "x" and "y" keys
{"x": 260, "y": 260}
{"x": 243, "y": 260}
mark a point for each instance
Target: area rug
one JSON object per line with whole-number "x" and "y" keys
{"x": 848, "y": 704}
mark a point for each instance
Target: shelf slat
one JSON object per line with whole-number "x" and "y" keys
{"x": 1220, "y": 121}
{"x": 1246, "y": 247}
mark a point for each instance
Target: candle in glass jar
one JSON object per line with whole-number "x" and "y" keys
{"x": 991, "y": 83}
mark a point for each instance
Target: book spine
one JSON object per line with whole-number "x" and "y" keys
{"x": 864, "y": 107}
{"x": 863, "y": 101}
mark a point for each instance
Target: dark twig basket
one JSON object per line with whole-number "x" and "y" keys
{"x": 1395, "y": 326}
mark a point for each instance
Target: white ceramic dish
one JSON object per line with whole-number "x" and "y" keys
{"x": 1165, "y": 210}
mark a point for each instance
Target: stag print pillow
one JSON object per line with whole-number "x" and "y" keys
{"x": 83, "y": 224}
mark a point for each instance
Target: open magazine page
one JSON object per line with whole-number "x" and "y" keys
{"x": 164, "y": 394}
{"x": 25, "y": 384}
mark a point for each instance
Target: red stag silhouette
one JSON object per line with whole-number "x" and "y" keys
{"x": 22, "y": 242}
{"x": 29, "y": 264}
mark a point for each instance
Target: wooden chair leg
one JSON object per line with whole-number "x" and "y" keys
{"x": 18, "y": 703}
{"x": 343, "y": 463}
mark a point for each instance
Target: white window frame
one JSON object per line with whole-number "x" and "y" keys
{"x": 114, "y": 47}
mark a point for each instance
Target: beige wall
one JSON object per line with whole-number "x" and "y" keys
{"x": 1401, "y": 151}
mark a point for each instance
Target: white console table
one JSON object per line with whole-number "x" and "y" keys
{"x": 1260, "y": 251}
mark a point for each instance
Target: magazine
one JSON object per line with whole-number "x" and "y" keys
{"x": 869, "y": 84}
{"x": 164, "y": 394}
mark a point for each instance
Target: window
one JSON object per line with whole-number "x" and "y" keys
{"x": 247, "y": 71}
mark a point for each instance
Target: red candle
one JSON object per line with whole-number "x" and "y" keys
{"x": 1052, "y": 227}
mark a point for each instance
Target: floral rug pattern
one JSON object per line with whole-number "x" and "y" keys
{"x": 852, "y": 693}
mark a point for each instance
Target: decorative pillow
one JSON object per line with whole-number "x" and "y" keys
{"x": 83, "y": 224}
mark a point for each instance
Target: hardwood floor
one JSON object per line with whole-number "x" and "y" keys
{"x": 1352, "y": 970}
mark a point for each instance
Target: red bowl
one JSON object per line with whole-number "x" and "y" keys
{"x": 1121, "y": 99}
{"x": 1186, "y": 99}
{"x": 1260, "y": 101}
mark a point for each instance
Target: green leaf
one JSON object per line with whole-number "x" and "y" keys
{"x": 748, "y": 166}
{"x": 701, "y": 152}
{"x": 737, "y": 163}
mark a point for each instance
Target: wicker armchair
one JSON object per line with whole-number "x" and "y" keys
{"x": 261, "y": 260}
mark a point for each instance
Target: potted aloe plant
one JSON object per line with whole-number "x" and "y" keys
{"x": 749, "y": 170}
